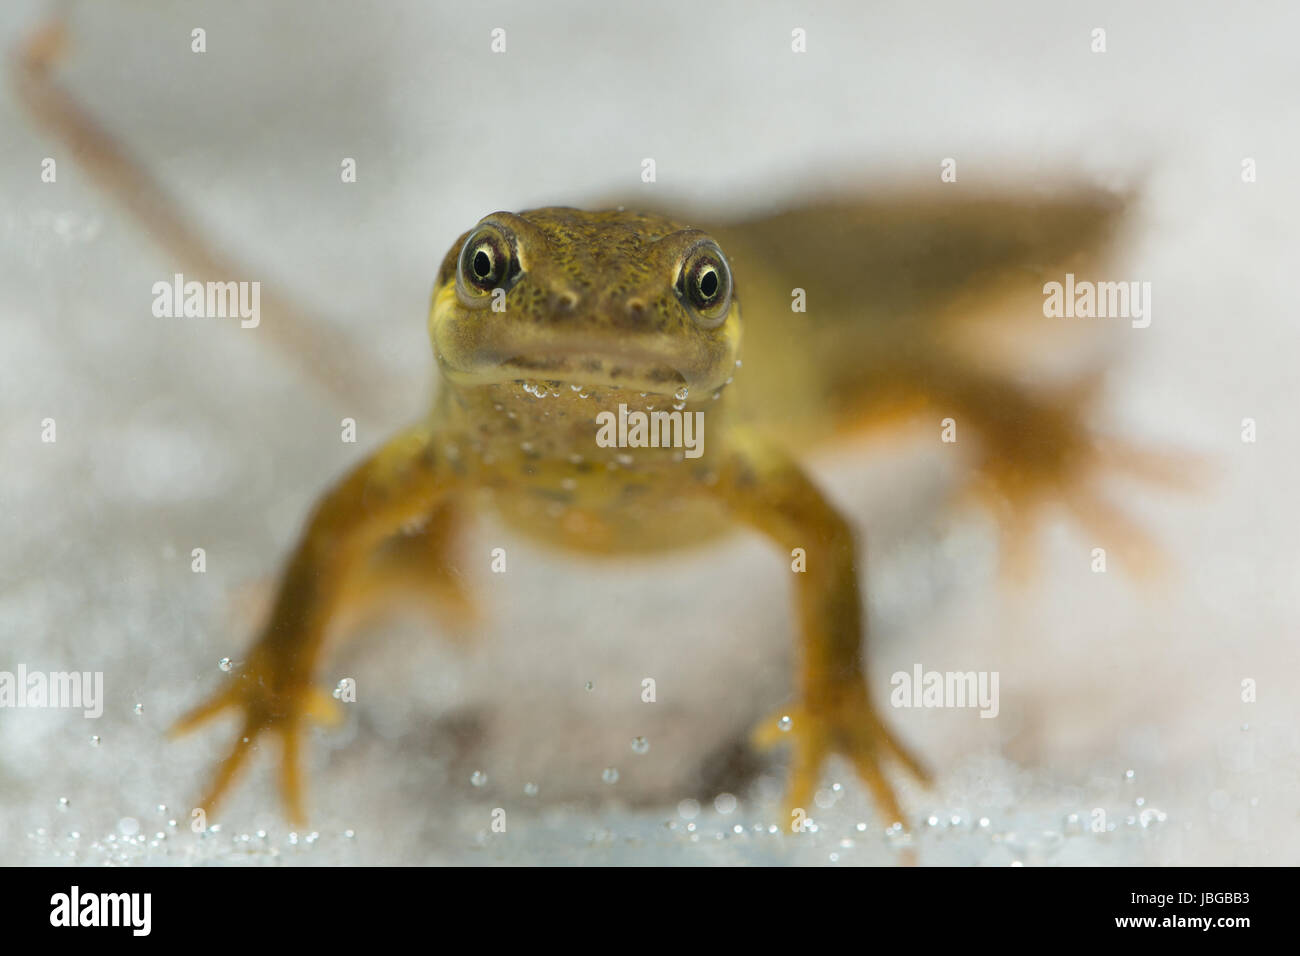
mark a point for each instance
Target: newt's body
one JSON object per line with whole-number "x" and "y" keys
{"x": 598, "y": 310}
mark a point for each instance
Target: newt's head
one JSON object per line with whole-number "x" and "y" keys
{"x": 616, "y": 299}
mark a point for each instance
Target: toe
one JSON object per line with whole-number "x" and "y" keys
{"x": 809, "y": 754}
{"x": 906, "y": 758}
{"x": 1139, "y": 554}
{"x": 322, "y": 707}
{"x": 291, "y": 788}
{"x": 201, "y": 714}
{"x": 230, "y": 766}
{"x": 864, "y": 761}
{"x": 775, "y": 728}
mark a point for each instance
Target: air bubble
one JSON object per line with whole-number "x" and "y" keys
{"x": 897, "y": 836}
{"x": 610, "y": 775}
{"x": 226, "y": 664}
{"x": 640, "y": 745}
{"x": 1151, "y": 816}
{"x": 478, "y": 778}
{"x": 785, "y": 723}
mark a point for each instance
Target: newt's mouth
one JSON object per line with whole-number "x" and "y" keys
{"x": 614, "y": 371}
{"x": 586, "y": 365}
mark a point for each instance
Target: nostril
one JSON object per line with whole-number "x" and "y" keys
{"x": 566, "y": 301}
{"x": 636, "y": 308}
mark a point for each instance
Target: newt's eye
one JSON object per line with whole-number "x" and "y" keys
{"x": 704, "y": 281}
{"x": 487, "y": 262}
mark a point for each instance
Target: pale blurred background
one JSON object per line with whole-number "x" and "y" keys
{"x": 177, "y": 434}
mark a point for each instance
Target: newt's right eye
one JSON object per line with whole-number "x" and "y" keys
{"x": 487, "y": 262}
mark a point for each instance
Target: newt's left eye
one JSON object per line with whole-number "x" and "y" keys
{"x": 704, "y": 281}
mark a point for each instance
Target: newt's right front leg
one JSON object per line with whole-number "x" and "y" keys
{"x": 404, "y": 481}
{"x": 835, "y": 713}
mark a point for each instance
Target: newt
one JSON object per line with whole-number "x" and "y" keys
{"x": 547, "y": 321}
{"x": 543, "y": 321}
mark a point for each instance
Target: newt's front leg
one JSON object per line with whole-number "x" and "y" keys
{"x": 403, "y": 481}
{"x": 834, "y": 712}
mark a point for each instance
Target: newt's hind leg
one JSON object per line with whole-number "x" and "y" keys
{"x": 317, "y": 349}
{"x": 1037, "y": 450}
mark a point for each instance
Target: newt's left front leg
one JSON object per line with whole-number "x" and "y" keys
{"x": 764, "y": 488}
